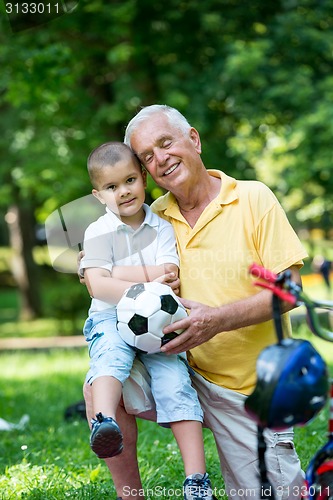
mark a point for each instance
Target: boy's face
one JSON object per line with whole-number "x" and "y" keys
{"x": 121, "y": 187}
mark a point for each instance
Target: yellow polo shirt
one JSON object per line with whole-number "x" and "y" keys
{"x": 244, "y": 224}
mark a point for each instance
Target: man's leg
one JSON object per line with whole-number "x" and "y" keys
{"x": 236, "y": 439}
{"x": 124, "y": 467}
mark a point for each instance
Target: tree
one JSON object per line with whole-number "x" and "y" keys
{"x": 255, "y": 79}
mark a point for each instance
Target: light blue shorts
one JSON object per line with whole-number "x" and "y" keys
{"x": 171, "y": 387}
{"x": 109, "y": 354}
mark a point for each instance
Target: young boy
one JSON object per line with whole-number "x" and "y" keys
{"x": 127, "y": 245}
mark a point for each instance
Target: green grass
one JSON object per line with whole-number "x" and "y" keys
{"x": 51, "y": 459}
{"x": 42, "y": 327}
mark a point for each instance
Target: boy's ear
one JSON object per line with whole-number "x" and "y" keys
{"x": 98, "y": 196}
{"x": 144, "y": 177}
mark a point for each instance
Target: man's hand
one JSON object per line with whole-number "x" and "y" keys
{"x": 201, "y": 325}
{"x": 204, "y": 322}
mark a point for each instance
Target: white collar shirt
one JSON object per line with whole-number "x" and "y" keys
{"x": 110, "y": 242}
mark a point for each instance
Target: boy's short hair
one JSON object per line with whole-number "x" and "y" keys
{"x": 106, "y": 155}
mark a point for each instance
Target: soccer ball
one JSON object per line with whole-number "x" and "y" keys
{"x": 142, "y": 313}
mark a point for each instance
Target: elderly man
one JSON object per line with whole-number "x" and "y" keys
{"x": 222, "y": 225}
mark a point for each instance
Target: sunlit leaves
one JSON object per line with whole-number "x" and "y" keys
{"x": 254, "y": 78}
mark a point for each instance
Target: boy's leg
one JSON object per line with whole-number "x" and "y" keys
{"x": 106, "y": 438}
{"x": 172, "y": 389}
{"x": 188, "y": 434}
{"x": 111, "y": 360}
{"x": 177, "y": 404}
{"x": 123, "y": 468}
{"x": 106, "y": 394}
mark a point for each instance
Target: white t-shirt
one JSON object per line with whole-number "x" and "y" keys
{"x": 109, "y": 242}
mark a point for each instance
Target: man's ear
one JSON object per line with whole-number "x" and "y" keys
{"x": 195, "y": 138}
{"x": 98, "y": 196}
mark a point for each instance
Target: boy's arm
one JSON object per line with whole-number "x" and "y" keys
{"x": 103, "y": 286}
{"x": 164, "y": 273}
{"x": 143, "y": 273}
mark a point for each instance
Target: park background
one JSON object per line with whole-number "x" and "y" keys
{"x": 255, "y": 78}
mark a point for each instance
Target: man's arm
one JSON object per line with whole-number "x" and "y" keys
{"x": 204, "y": 322}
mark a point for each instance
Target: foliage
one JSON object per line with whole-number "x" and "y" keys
{"x": 64, "y": 302}
{"x": 254, "y": 79}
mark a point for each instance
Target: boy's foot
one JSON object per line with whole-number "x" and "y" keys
{"x": 106, "y": 439}
{"x": 197, "y": 487}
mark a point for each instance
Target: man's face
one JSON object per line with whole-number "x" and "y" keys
{"x": 168, "y": 154}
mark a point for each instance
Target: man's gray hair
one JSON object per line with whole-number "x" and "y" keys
{"x": 175, "y": 118}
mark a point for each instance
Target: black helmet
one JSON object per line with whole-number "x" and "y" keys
{"x": 292, "y": 385}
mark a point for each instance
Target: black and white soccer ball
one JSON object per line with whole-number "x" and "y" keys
{"x": 142, "y": 313}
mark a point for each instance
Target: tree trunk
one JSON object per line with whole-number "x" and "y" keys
{"x": 20, "y": 222}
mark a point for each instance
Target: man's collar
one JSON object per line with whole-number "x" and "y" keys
{"x": 228, "y": 193}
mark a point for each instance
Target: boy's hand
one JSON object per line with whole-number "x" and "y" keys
{"x": 78, "y": 261}
{"x": 170, "y": 279}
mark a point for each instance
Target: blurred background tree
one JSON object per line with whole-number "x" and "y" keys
{"x": 254, "y": 78}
